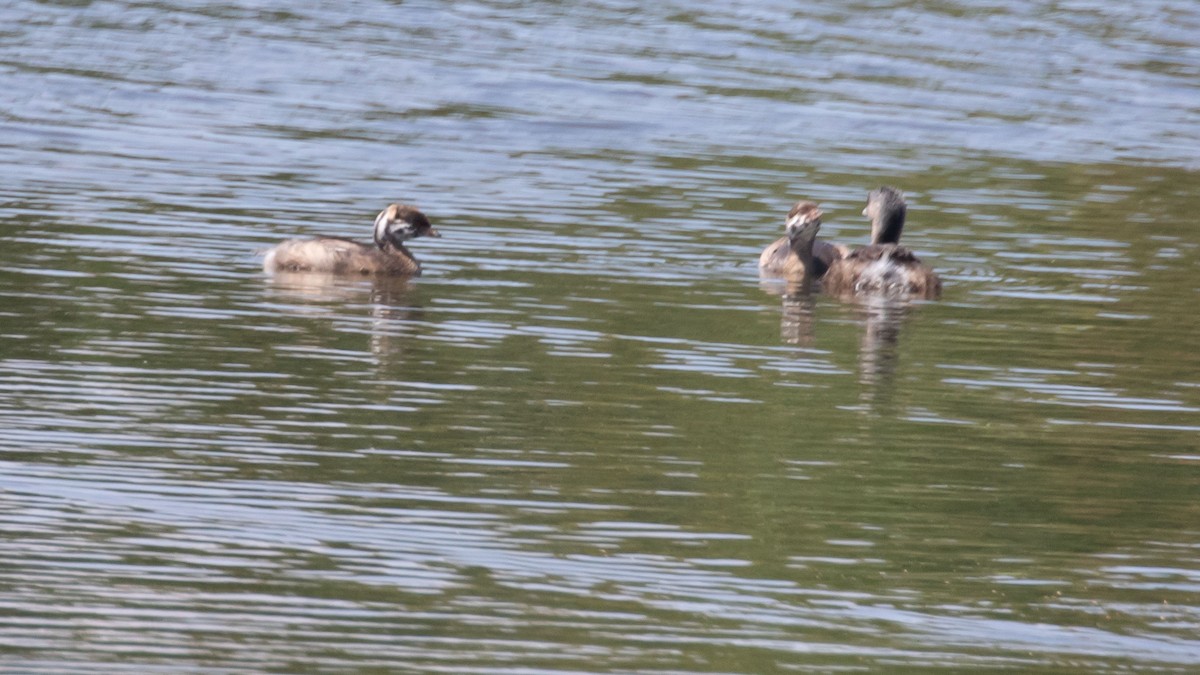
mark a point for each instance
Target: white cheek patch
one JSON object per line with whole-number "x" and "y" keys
{"x": 802, "y": 222}
{"x": 401, "y": 231}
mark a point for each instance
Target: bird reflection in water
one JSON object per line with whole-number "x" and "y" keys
{"x": 881, "y": 319}
{"x": 878, "y": 351}
{"x": 796, "y": 321}
{"x": 390, "y": 301}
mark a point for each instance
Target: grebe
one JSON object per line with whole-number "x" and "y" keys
{"x": 782, "y": 259}
{"x": 884, "y": 267}
{"x": 336, "y": 255}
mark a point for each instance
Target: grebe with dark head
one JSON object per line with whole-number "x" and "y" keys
{"x": 884, "y": 267}
{"x": 783, "y": 257}
{"x": 337, "y": 255}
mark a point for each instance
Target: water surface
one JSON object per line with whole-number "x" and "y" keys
{"x": 589, "y": 439}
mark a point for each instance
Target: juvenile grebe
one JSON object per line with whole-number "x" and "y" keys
{"x": 336, "y": 255}
{"x": 782, "y": 259}
{"x": 884, "y": 267}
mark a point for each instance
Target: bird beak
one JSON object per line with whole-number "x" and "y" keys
{"x": 433, "y": 233}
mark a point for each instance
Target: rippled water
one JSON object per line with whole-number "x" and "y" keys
{"x": 589, "y": 439}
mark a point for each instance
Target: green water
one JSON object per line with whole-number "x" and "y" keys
{"x": 590, "y": 439}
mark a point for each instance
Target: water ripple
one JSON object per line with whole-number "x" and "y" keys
{"x": 588, "y": 438}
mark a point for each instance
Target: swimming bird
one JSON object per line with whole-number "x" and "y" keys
{"x": 883, "y": 267}
{"x": 337, "y": 255}
{"x": 782, "y": 259}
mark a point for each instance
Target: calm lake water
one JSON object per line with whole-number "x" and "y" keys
{"x": 589, "y": 439}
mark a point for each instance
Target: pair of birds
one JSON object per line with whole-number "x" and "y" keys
{"x": 883, "y": 267}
